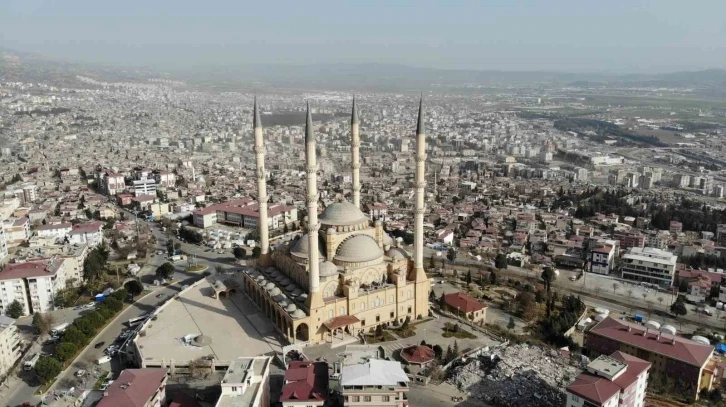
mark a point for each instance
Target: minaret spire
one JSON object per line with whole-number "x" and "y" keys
{"x": 420, "y": 184}
{"x": 355, "y": 154}
{"x": 262, "y": 225}
{"x": 315, "y": 299}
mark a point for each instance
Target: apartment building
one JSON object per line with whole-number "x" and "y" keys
{"x": 602, "y": 256}
{"x": 243, "y": 212}
{"x": 649, "y": 265}
{"x": 618, "y": 380}
{"x": 165, "y": 179}
{"x": 33, "y": 284}
{"x": 375, "y": 383}
{"x": 17, "y": 231}
{"x": 3, "y": 246}
{"x": 246, "y": 383}
{"x": 90, "y": 233}
{"x": 136, "y": 388}
{"x": 629, "y": 240}
{"x": 305, "y": 384}
{"x": 672, "y": 357}
{"x": 377, "y": 211}
{"x": 73, "y": 254}
{"x": 721, "y": 235}
{"x": 9, "y": 344}
{"x": 112, "y": 183}
{"x": 675, "y": 227}
{"x": 658, "y": 239}
{"x": 146, "y": 186}
{"x": 59, "y": 231}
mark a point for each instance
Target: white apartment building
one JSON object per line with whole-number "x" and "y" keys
{"x": 165, "y": 179}
{"x": 659, "y": 239}
{"x": 32, "y": 284}
{"x": 618, "y": 380}
{"x": 17, "y": 231}
{"x": 145, "y": 186}
{"x": 9, "y": 344}
{"x": 649, "y": 265}
{"x": 246, "y": 383}
{"x": 73, "y": 254}
{"x": 59, "y": 231}
{"x": 602, "y": 256}
{"x": 3, "y": 246}
{"x": 376, "y": 383}
{"x": 112, "y": 183}
{"x": 90, "y": 233}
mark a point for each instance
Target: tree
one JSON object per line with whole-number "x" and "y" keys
{"x": 379, "y": 331}
{"x": 500, "y": 262}
{"x": 239, "y": 253}
{"x": 166, "y": 270}
{"x": 47, "y": 368}
{"x": 113, "y": 304}
{"x": 438, "y": 351}
{"x": 197, "y": 367}
{"x": 660, "y": 300}
{"x": 449, "y": 355}
{"x": 40, "y": 322}
{"x": 679, "y": 307}
{"x": 492, "y": 278}
{"x": 65, "y": 351}
{"x": 548, "y": 276}
{"x": 256, "y": 252}
{"x": 432, "y": 296}
{"x": 615, "y": 287}
{"x": 134, "y": 288}
{"x": 432, "y": 262}
{"x": 74, "y": 335}
{"x": 525, "y": 304}
{"x": 15, "y": 310}
{"x": 456, "y": 349}
{"x": 406, "y": 322}
{"x": 86, "y": 327}
{"x": 451, "y": 254}
{"x": 468, "y": 277}
{"x": 511, "y": 323}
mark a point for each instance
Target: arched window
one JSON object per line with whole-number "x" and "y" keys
{"x": 410, "y": 294}
{"x": 392, "y": 299}
{"x": 331, "y": 314}
{"x": 362, "y": 306}
{"x": 376, "y": 303}
{"x": 342, "y": 310}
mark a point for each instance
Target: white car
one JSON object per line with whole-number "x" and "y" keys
{"x": 80, "y": 373}
{"x": 105, "y": 385}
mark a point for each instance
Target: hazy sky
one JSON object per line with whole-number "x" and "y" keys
{"x": 563, "y": 35}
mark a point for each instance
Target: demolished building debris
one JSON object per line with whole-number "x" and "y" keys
{"x": 517, "y": 375}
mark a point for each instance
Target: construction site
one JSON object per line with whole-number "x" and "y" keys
{"x": 517, "y": 375}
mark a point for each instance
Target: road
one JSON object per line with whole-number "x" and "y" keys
{"x": 23, "y": 390}
{"x": 610, "y": 292}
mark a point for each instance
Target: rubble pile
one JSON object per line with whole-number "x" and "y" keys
{"x": 517, "y": 375}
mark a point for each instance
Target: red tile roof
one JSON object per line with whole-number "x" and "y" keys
{"x": 305, "y": 380}
{"x": 133, "y": 388}
{"x": 89, "y": 227}
{"x": 671, "y": 346}
{"x": 463, "y": 302}
{"x": 417, "y": 354}
{"x": 31, "y": 269}
{"x": 598, "y": 390}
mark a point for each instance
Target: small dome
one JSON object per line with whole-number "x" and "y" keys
{"x": 387, "y": 240}
{"x": 297, "y": 292}
{"x": 291, "y": 308}
{"x": 269, "y": 286}
{"x": 290, "y": 287}
{"x": 275, "y": 291}
{"x": 328, "y": 269}
{"x": 262, "y": 282}
{"x": 259, "y": 277}
{"x": 358, "y": 249}
{"x": 342, "y": 214}
{"x": 396, "y": 253}
{"x": 285, "y": 282}
{"x": 298, "y": 314}
{"x": 301, "y": 248}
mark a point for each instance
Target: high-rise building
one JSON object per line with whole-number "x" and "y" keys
{"x": 649, "y": 265}
{"x": 344, "y": 276}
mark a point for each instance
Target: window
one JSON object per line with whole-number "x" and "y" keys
{"x": 330, "y": 314}
{"x": 575, "y": 398}
{"x": 392, "y": 314}
{"x": 367, "y": 398}
{"x": 386, "y": 398}
{"x": 234, "y": 388}
{"x": 356, "y": 398}
{"x": 362, "y": 306}
{"x": 409, "y": 310}
{"x": 391, "y": 299}
{"x": 363, "y": 323}
{"x": 378, "y": 318}
{"x": 342, "y": 310}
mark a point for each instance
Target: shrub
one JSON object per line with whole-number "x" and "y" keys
{"x": 65, "y": 351}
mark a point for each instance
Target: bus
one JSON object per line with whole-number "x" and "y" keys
{"x": 136, "y": 321}
{"x": 30, "y": 363}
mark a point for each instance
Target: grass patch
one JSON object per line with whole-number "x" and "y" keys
{"x": 456, "y": 331}
{"x": 405, "y": 333}
{"x": 100, "y": 380}
{"x": 198, "y": 268}
{"x": 385, "y": 337}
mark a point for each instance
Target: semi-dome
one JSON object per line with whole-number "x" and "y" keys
{"x": 269, "y": 286}
{"x": 358, "y": 249}
{"x": 396, "y": 253}
{"x": 275, "y": 291}
{"x": 342, "y": 214}
{"x": 301, "y": 248}
{"x": 298, "y": 314}
{"x": 291, "y": 308}
{"x": 327, "y": 269}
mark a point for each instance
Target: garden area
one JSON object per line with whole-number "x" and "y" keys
{"x": 452, "y": 330}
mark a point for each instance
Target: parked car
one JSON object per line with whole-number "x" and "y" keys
{"x": 80, "y": 373}
{"x": 99, "y": 345}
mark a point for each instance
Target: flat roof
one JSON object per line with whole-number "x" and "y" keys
{"x": 233, "y": 327}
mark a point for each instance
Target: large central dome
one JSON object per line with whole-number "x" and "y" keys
{"x": 358, "y": 249}
{"x": 342, "y": 214}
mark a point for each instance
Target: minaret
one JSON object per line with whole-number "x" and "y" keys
{"x": 355, "y": 154}
{"x": 422, "y": 283}
{"x": 264, "y": 259}
{"x": 420, "y": 184}
{"x": 315, "y": 298}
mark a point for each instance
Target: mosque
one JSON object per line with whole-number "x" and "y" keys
{"x": 345, "y": 275}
